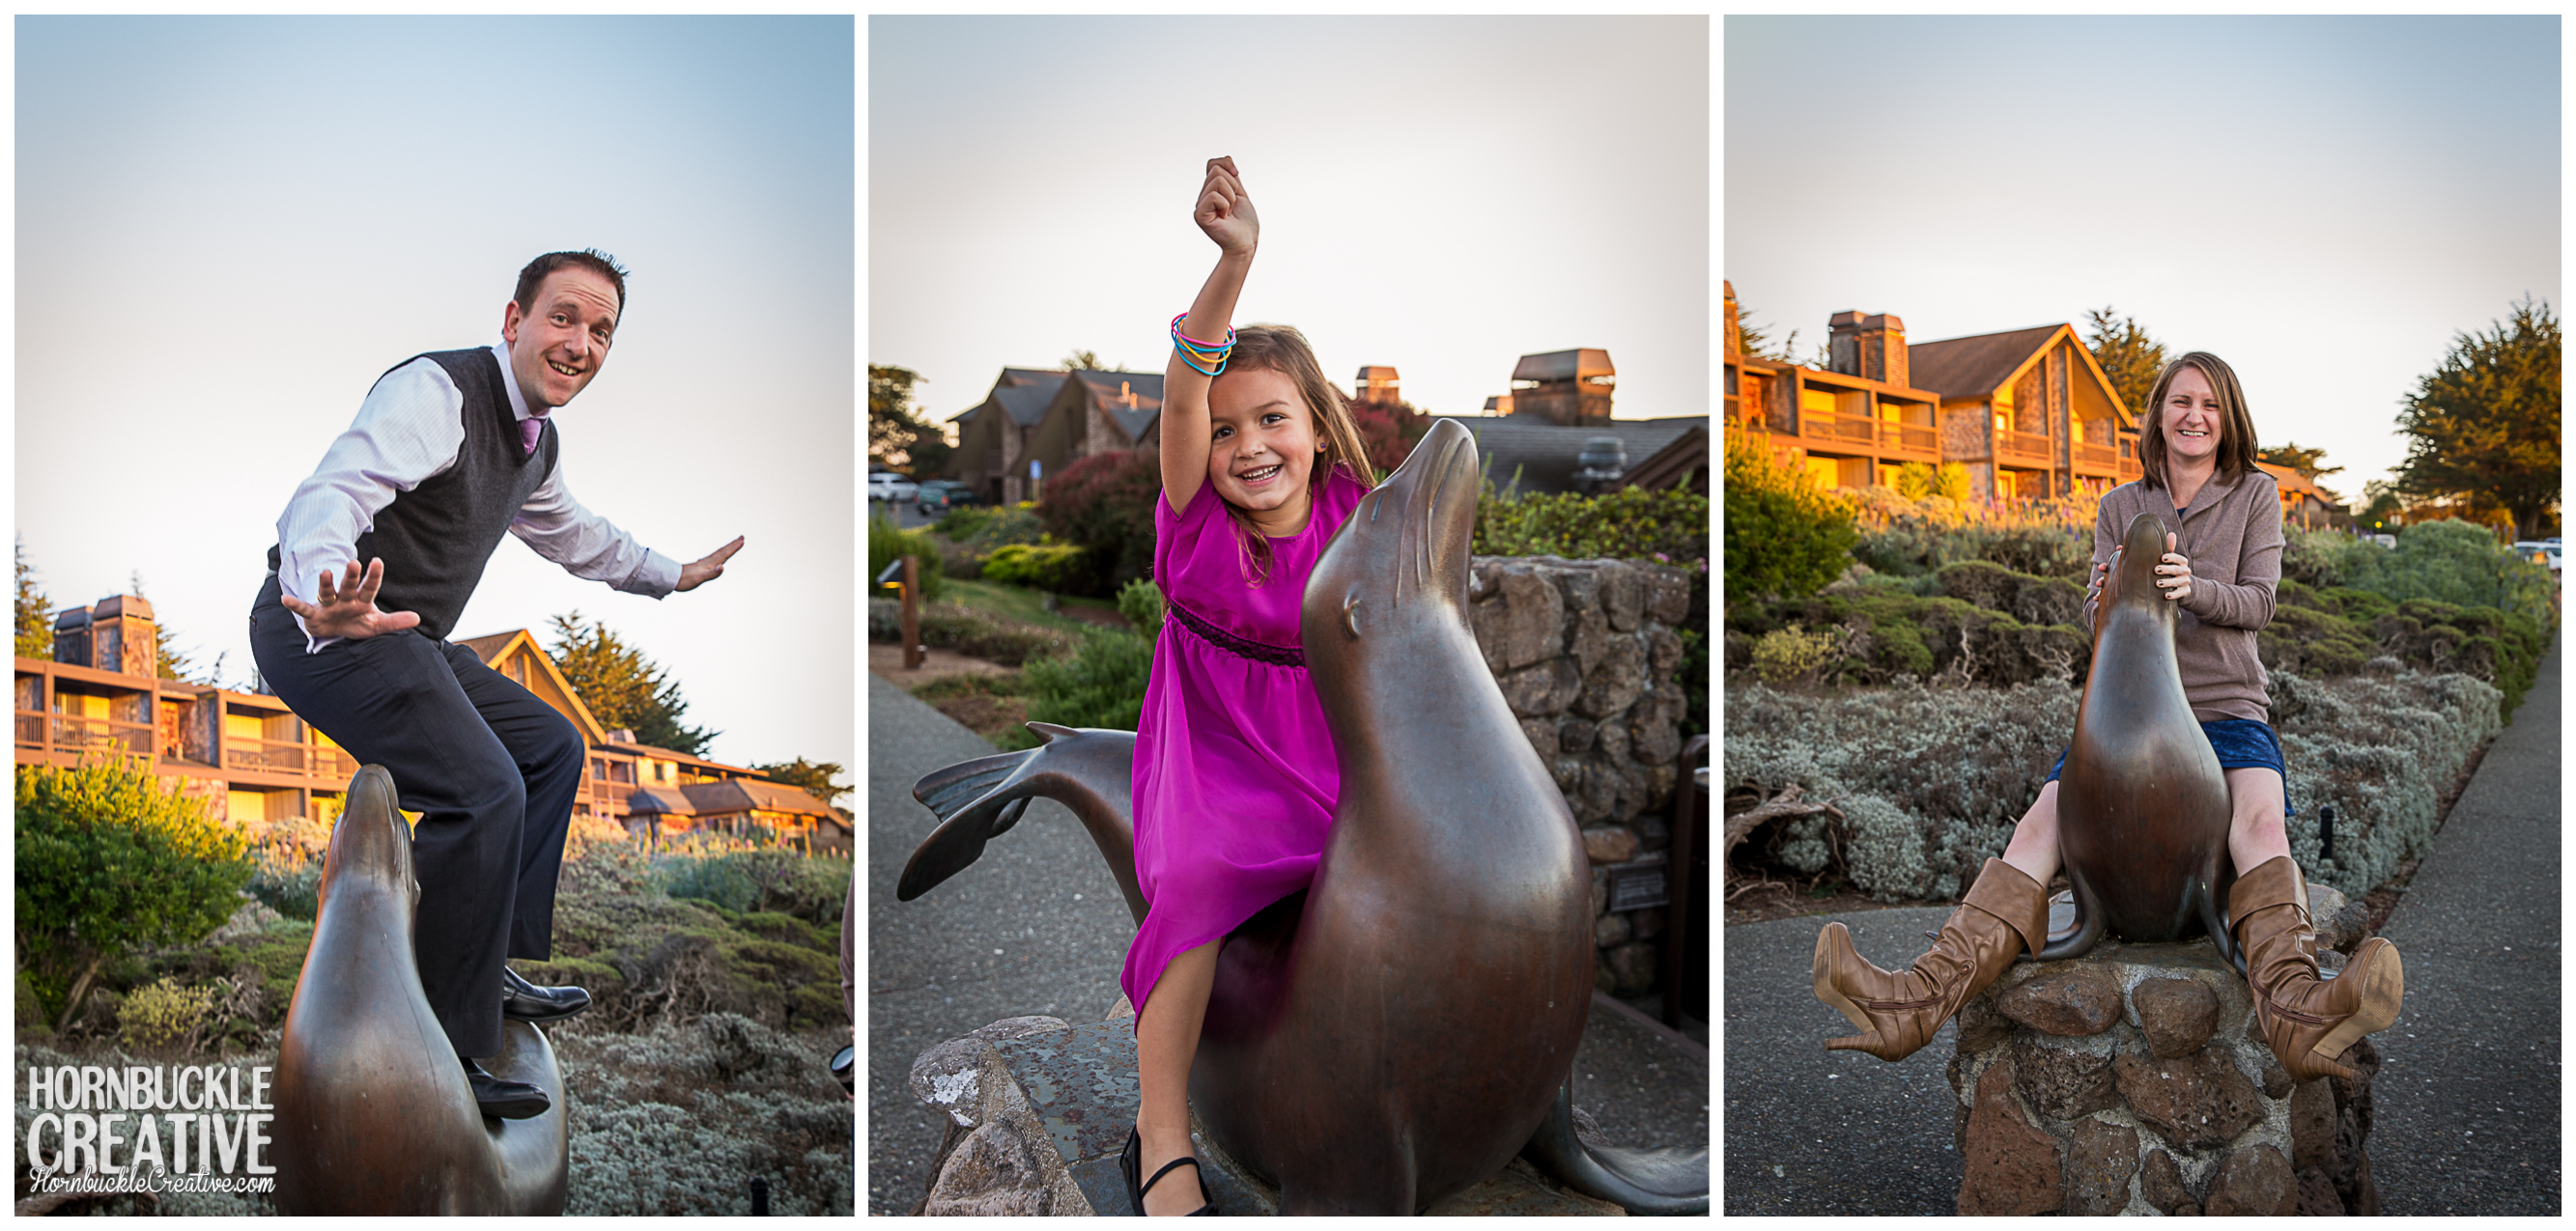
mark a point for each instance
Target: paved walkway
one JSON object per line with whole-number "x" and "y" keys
{"x": 2466, "y": 1109}
{"x": 1036, "y": 926}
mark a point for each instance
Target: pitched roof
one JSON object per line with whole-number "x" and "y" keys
{"x": 491, "y": 646}
{"x": 1672, "y": 464}
{"x": 661, "y": 800}
{"x": 1022, "y": 393}
{"x": 1979, "y": 364}
{"x": 1147, "y": 388}
{"x": 745, "y": 794}
{"x": 1543, "y": 454}
{"x": 1564, "y": 364}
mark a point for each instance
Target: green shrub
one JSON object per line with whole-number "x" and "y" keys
{"x": 108, "y": 864}
{"x": 1782, "y": 535}
{"x": 973, "y": 533}
{"x": 1104, "y": 504}
{"x": 2457, "y": 562}
{"x": 1102, "y": 684}
{"x": 1059, "y": 568}
{"x": 1665, "y": 526}
{"x": 887, "y": 544}
{"x": 1789, "y": 653}
{"x": 1141, "y": 601}
{"x": 770, "y": 881}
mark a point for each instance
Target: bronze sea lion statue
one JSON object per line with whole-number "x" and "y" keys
{"x": 373, "y": 1112}
{"x": 1400, "y": 1030}
{"x": 2142, "y": 806}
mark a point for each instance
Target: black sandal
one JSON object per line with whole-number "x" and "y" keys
{"x": 1131, "y": 1165}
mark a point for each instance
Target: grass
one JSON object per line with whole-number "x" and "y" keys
{"x": 1023, "y": 604}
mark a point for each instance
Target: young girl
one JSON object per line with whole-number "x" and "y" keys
{"x": 1235, "y": 777}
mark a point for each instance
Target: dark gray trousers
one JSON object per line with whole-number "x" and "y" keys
{"x": 493, "y": 771}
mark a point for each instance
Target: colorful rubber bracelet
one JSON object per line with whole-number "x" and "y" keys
{"x": 1178, "y": 336}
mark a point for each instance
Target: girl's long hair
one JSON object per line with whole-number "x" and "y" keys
{"x": 1281, "y": 349}
{"x": 2236, "y": 440}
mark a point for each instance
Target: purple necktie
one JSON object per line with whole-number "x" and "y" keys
{"x": 529, "y": 430}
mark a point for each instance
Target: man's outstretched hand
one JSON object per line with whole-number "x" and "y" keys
{"x": 700, "y": 573}
{"x": 349, "y": 609}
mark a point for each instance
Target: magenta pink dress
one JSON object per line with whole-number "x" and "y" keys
{"x": 1235, "y": 777}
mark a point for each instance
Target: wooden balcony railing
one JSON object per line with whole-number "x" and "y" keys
{"x": 2096, "y": 457}
{"x": 280, "y": 756}
{"x": 1910, "y": 441}
{"x": 73, "y": 734}
{"x": 2025, "y": 447}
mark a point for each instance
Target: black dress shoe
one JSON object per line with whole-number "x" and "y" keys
{"x": 503, "y": 1099}
{"x": 845, "y": 1069}
{"x": 528, "y": 1002}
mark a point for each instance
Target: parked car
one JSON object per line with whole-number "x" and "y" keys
{"x": 1603, "y": 460}
{"x": 2539, "y": 551}
{"x": 889, "y": 486}
{"x": 940, "y": 495}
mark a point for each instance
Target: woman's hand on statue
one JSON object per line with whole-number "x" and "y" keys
{"x": 2101, "y": 578}
{"x": 349, "y": 608}
{"x": 2173, "y": 573}
{"x": 1225, "y": 211}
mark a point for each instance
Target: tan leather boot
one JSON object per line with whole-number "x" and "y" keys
{"x": 2004, "y": 913}
{"x": 2309, "y": 1021}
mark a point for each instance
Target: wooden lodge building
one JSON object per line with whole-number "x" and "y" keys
{"x": 2027, "y": 411}
{"x": 1051, "y": 417}
{"x": 250, "y": 759}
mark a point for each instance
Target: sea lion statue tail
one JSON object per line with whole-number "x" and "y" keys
{"x": 1668, "y": 1181}
{"x": 1087, "y": 769}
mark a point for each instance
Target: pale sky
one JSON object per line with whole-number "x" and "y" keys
{"x": 1441, "y": 195}
{"x": 228, "y": 228}
{"x": 2321, "y": 202}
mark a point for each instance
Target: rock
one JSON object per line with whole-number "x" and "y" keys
{"x": 1609, "y": 930}
{"x": 2361, "y": 1197}
{"x": 1609, "y": 844}
{"x": 1594, "y": 797}
{"x": 1654, "y": 736}
{"x": 2100, "y": 1158}
{"x": 2060, "y": 1083}
{"x": 2254, "y": 1180}
{"x": 1617, "y": 682}
{"x": 2177, "y": 1015}
{"x": 1663, "y": 651}
{"x": 1568, "y": 772}
{"x": 1581, "y": 586}
{"x": 2276, "y": 1080}
{"x": 1001, "y": 1170}
{"x": 1634, "y": 967}
{"x": 1610, "y": 739}
{"x": 1542, "y": 737}
{"x": 1654, "y": 833}
{"x": 1628, "y": 791}
{"x": 1491, "y": 622}
{"x": 1600, "y": 890}
{"x": 2196, "y": 1103}
{"x": 2317, "y": 1196}
{"x": 965, "y": 1078}
{"x": 1623, "y": 596}
{"x": 1980, "y": 1026}
{"x": 1545, "y": 688}
{"x": 1649, "y": 923}
{"x": 2160, "y": 1182}
{"x": 2010, "y": 1167}
{"x": 2312, "y": 1125}
{"x": 1535, "y": 610}
{"x": 2076, "y": 1002}
{"x": 1574, "y": 736}
{"x": 1668, "y": 595}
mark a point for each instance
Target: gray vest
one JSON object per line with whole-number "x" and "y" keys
{"x": 436, "y": 538}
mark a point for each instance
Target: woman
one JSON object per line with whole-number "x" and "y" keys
{"x": 2197, "y": 450}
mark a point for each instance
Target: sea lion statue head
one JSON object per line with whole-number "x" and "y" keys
{"x": 370, "y": 851}
{"x": 1401, "y": 559}
{"x": 2131, "y": 587}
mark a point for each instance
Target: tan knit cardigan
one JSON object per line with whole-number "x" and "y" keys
{"x": 2232, "y": 536}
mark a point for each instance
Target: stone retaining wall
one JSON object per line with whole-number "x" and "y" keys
{"x": 2134, "y": 1080}
{"x": 1585, "y": 652}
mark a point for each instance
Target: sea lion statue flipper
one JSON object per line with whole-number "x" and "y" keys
{"x": 2088, "y": 924}
{"x": 1668, "y": 1181}
{"x": 1089, "y": 770}
{"x": 374, "y": 1115}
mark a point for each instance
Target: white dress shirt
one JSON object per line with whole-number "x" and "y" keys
{"x": 408, "y": 431}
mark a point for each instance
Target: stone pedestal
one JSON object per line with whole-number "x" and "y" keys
{"x": 1038, "y": 1110}
{"x": 2134, "y": 1080}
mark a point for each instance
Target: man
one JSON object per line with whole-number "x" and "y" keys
{"x": 450, "y": 450}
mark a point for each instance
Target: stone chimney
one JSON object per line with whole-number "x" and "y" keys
{"x": 1870, "y": 347}
{"x": 113, "y": 634}
{"x": 1734, "y": 325}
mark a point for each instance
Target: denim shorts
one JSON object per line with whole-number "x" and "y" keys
{"x": 2241, "y": 743}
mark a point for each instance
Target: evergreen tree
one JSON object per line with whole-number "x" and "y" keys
{"x": 2288, "y": 453}
{"x": 2128, "y": 356}
{"x": 34, "y": 612}
{"x": 622, "y": 687}
{"x": 897, "y": 440}
{"x": 2485, "y": 424}
{"x": 815, "y": 776}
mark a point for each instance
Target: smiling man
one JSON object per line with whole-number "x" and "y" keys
{"x": 451, "y": 450}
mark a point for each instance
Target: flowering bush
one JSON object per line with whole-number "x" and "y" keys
{"x": 1104, "y": 504}
{"x": 1666, "y": 526}
{"x": 1059, "y": 568}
